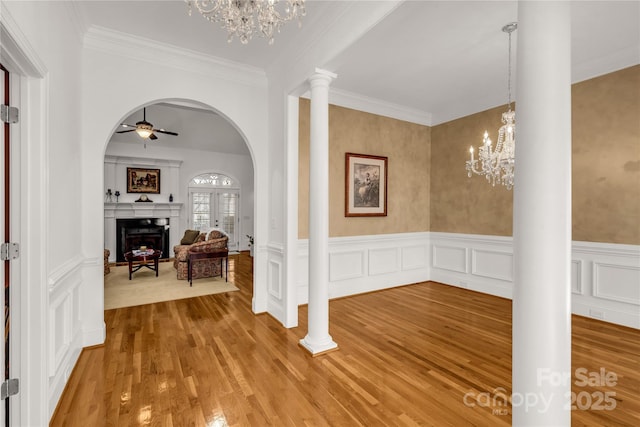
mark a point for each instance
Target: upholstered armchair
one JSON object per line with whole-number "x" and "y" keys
{"x": 204, "y": 242}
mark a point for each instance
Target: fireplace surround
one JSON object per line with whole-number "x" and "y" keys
{"x": 135, "y": 232}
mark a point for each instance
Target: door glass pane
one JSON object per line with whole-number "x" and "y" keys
{"x": 227, "y": 215}
{"x": 201, "y": 208}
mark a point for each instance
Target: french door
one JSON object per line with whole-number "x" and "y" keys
{"x": 216, "y": 208}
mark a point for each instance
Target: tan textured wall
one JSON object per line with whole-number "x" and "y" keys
{"x": 407, "y": 146}
{"x": 460, "y": 204}
{"x": 429, "y": 188}
{"x": 606, "y": 158}
{"x": 606, "y": 167}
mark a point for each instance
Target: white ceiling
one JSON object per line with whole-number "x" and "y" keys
{"x": 442, "y": 59}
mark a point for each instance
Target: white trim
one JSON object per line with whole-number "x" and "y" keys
{"x": 351, "y": 271}
{"x": 153, "y": 52}
{"x": 379, "y": 107}
{"x": 350, "y": 268}
{"x": 590, "y": 298}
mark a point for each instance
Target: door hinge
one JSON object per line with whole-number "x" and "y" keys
{"x": 9, "y": 114}
{"x": 10, "y": 387}
{"x": 9, "y": 251}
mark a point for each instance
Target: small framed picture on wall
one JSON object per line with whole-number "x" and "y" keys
{"x": 365, "y": 185}
{"x": 143, "y": 180}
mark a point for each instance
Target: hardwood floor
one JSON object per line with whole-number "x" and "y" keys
{"x": 416, "y": 355}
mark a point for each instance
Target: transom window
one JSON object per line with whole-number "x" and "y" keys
{"x": 212, "y": 180}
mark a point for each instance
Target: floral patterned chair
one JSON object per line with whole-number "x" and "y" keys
{"x": 211, "y": 241}
{"x": 107, "y": 270}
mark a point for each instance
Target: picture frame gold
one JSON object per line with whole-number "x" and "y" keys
{"x": 143, "y": 180}
{"x": 365, "y": 185}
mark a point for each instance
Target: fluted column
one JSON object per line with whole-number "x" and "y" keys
{"x": 542, "y": 217}
{"x": 318, "y": 339}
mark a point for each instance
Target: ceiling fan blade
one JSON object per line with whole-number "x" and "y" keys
{"x": 153, "y": 137}
{"x": 165, "y": 131}
{"x": 125, "y": 125}
{"x": 125, "y": 131}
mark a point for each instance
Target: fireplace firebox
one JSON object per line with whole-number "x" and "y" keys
{"x": 149, "y": 232}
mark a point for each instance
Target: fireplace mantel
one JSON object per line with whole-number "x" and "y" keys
{"x": 141, "y": 210}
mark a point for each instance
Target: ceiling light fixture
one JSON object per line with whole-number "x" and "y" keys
{"x": 497, "y": 165}
{"x": 239, "y": 17}
{"x": 144, "y": 129}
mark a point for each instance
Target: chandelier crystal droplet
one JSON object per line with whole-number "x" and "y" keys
{"x": 244, "y": 18}
{"x": 497, "y": 164}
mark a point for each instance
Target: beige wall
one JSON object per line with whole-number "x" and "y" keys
{"x": 606, "y": 158}
{"x": 606, "y": 167}
{"x": 460, "y": 204}
{"x": 407, "y": 146}
{"x": 429, "y": 189}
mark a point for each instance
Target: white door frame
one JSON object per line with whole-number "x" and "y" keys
{"x": 29, "y": 88}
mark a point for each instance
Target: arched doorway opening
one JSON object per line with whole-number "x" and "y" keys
{"x": 191, "y": 139}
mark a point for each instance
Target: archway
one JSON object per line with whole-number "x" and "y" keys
{"x": 185, "y": 146}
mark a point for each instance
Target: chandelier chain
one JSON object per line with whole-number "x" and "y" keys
{"x": 509, "y": 71}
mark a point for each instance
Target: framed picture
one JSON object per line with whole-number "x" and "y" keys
{"x": 365, "y": 185}
{"x": 143, "y": 180}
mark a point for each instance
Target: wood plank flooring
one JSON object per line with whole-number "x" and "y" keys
{"x": 407, "y": 356}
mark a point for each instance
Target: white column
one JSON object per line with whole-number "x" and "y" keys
{"x": 542, "y": 217}
{"x": 318, "y": 339}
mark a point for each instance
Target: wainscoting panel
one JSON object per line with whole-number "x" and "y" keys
{"x": 450, "y": 258}
{"x": 414, "y": 257}
{"x": 367, "y": 263}
{"x": 605, "y": 278}
{"x": 275, "y": 279}
{"x": 492, "y": 264}
{"x": 274, "y": 273}
{"x": 346, "y": 265}
{"x": 383, "y": 261}
{"x": 613, "y": 281}
{"x": 576, "y": 277}
{"x": 65, "y": 328}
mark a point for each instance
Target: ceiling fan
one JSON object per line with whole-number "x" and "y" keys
{"x": 145, "y": 129}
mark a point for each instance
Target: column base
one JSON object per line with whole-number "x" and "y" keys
{"x": 318, "y": 349}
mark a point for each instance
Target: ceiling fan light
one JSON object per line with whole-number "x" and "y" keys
{"x": 143, "y": 133}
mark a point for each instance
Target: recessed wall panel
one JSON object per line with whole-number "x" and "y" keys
{"x": 414, "y": 257}
{"x": 492, "y": 264}
{"x": 617, "y": 282}
{"x": 450, "y": 258}
{"x": 275, "y": 282}
{"x": 383, "y": 261}
{"x": 346, "y": 265}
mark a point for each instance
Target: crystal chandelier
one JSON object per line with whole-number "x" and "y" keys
{"x": 243, "y": 18}
{"x": 497, "y": 164}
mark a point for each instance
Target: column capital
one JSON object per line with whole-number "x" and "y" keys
{"x": 321, "y": 75}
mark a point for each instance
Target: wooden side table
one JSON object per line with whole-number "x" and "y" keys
{"x": 220, "y": 253}
{"x": 143, "y": 260}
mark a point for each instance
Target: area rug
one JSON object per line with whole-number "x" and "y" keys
{"x": 145, "y": 288}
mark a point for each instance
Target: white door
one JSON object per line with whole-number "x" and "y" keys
{"x": 216, "y": 208}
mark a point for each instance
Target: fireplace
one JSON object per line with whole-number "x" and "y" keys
{"x": 149, "y": 232}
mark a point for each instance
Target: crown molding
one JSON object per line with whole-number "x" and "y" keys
{"x": 376, "y": 106}
{"x": 159, "y": 54}
{"x": 78, "y": 20}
